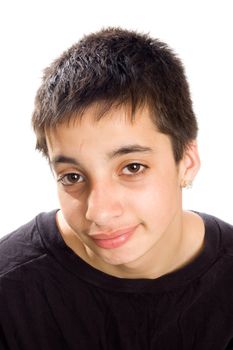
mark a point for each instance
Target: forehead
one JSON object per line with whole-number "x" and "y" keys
{"x": 96, "y": 117}
{"x": 114, "y": 129}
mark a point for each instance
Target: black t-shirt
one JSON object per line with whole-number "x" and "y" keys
{"x": 51, "y": 299}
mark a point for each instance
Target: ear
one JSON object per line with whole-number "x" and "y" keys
{"x": 189, "y": 165}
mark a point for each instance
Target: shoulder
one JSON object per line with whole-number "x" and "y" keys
{"x": 217, "y": 244}
{"x": 224, "y": 229}
{"x": 20, "y": 246}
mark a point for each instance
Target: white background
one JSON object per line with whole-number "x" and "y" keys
{"x": 33, "y": 33}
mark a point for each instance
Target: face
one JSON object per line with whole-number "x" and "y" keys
{"x": 118, "y": 184}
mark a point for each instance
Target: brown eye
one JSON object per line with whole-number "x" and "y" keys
{"x": 71, "y": 179}
{"x": 134, "y": 169}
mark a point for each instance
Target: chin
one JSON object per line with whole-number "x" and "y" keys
{"x": 116, "y": 260}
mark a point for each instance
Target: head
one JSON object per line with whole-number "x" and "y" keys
{"x": 114, "y": 118}
{"x": 117, "y": 67}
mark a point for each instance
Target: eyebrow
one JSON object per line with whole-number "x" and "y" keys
{"x": 113, "y": 154}
{"x": 63, "y": 159}
{"x": 129, "y": 149}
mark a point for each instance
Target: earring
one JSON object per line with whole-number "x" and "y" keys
{"x": 187, "y": 184}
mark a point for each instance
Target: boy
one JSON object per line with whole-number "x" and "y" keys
{"x": 121, "y": 265}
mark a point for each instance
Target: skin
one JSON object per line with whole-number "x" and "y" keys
{"x": 121, "y": 175}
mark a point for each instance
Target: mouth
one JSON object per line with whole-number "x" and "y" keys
{"x": 115, "y": 239}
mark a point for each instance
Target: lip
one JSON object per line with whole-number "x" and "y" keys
{"x": 113, "y": 239}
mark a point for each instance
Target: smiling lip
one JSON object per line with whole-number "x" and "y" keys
{"x": 114, "y": 239}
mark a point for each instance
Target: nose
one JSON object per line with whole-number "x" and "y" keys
{"x": 103, "y": 205}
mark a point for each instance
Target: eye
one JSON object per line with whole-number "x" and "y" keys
{"x": 70, "y": 179}
{"x": 134, "y": 169}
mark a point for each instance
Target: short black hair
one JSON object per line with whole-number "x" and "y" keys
{"x": 115, "y": 67}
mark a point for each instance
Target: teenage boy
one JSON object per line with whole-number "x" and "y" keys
{"x": 120, "y": 265}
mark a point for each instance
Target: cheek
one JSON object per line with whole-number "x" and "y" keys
{"x": 159, "y": 199}
{"x": 72, "y": 208}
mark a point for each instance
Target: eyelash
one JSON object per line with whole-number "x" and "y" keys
{"x": 144, "y": 167}
{"x": 132, "y": 174}
{"x": 66, "y": 176}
